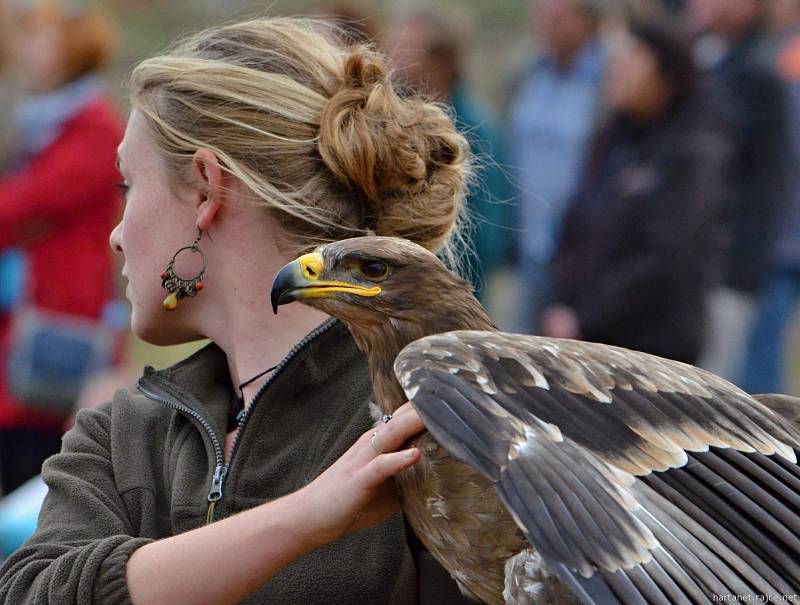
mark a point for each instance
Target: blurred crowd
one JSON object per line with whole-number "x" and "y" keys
{"x": 639, "y": 179}
{"x": 638, "y": 185}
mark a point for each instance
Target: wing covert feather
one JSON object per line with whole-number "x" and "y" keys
{"x": 564, "y": 428}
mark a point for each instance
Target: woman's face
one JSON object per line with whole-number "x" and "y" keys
{"x": 561, "y": 26}
{"x": 155, "y": 223}
{"x": 38, "y": 57}
{"x": 634, "y": 85}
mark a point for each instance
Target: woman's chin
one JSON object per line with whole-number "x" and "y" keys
{"x": 157, "y": 329}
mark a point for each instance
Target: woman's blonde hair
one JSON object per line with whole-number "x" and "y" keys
{"x": 313, "y": 127}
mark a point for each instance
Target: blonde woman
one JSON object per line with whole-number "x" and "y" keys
{"x": 240, "y": 473}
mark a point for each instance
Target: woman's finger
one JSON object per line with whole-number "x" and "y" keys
{"x": 406, "y": 407}
{"x": 403, "y": 409}
{"x": 396, "y": 432}
{"x": 387, "y": 465}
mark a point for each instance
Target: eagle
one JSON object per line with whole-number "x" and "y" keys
{"x": 561, "y": 471}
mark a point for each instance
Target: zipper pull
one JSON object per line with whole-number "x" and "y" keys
{"x": 215, "y": 493}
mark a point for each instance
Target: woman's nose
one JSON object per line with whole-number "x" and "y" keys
{"x": 114, "y": 239}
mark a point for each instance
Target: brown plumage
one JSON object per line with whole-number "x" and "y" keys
{"x": 557, "y": 470}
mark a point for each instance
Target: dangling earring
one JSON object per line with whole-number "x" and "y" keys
{"x": 179, "y": 287}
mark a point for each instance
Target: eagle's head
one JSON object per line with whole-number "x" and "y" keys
{"x": 368, "y": 279}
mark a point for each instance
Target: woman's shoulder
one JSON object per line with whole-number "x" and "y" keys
{"x": 128, "y": 412}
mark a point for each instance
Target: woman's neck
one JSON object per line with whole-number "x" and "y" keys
{"x": 254, "y": 340}
{"x": 237, "y": 314}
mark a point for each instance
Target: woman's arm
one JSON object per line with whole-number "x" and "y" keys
{"x": 226, "y": 561}
{"x": 86, "y": 549}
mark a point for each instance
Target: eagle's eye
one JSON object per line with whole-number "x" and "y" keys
{"x": 373, "y": 269}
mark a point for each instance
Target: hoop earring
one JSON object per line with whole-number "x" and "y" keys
{"x": 179, "y": 287}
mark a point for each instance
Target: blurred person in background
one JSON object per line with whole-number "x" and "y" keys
{"x": 427, "y": 52}
{"x": 357, "y": 21}
{"x": 733, "y": 49}
{"x": 766, "y": 352}
{"x": 555, "y": 107}
{"x": 634, "y": 260}
{"x": 59, "y": 201}
{"x": 12, "y": 263}
{"x": 8, "y": 87}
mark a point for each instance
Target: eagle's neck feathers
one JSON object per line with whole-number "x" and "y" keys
{"x": 381, "y": 341}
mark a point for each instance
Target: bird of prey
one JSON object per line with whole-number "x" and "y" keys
{"x": 560, "y": 471}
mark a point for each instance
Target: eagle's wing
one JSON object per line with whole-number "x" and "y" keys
{"x": 632, "y": 475}
{"x": 783, "y": 405}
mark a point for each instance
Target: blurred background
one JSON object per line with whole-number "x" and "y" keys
{"x": 638, "y": 182}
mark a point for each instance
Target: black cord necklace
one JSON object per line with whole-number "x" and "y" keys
{"x": 237, "y": 409}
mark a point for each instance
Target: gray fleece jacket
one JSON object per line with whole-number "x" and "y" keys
{"x": 146, "y": 465}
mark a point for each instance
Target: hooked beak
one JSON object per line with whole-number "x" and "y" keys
{"x": 299, "y": 280}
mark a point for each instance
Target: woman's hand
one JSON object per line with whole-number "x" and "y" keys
{"x": 356, "y": 491}
{"x": 248, "y": 548}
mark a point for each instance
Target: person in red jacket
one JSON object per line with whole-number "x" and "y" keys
{"x": 59, "y": 203}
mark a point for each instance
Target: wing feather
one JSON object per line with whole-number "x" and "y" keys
{"x": 687, "y": 585}
{"x": 624, "y": 588}
{"x": 669, "y": 588}
{"x": 719, "y": 539}
{"x": 741, "y": 501}
{"x": 787, "y": 521}
{"x": 598, "y": 525}
{"x": 789, "y": 475}
{"x": 564, "y": 428}
{"x": 733, "y": 520}
{"x": 784, "y": 405}
{"x": 690, "y": 570}
{"x": 644, "y": 584}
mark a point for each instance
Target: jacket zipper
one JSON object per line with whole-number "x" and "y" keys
{"x": 314, "y": 334}
{"x": 220, "y": 469}
{"x": 216, "y": 491}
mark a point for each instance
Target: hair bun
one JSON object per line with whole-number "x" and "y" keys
{"x": 363, "y": 69}
{"x": 402, "y": 156}
{"x": 354, "y": 121}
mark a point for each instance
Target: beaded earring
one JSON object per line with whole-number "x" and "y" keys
{"x": 178, "y": 287}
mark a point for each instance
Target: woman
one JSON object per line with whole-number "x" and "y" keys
{"x": 640, "y": 242}
{"x": 59, "y": 201}
{"x": 247, "y": 144}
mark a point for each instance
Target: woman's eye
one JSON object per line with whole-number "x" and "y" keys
{"x": 374, "y": 269}
{"x": 123, "y": 189}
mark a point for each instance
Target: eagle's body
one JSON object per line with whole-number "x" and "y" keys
{"x": 452, "y": 508}
{"x": 458, "y": 517}
{"x": 555, "y": 468}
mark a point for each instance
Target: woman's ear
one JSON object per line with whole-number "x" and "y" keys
{"x": 207, "y": 172}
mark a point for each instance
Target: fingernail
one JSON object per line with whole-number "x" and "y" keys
{"x": 408, "y": 454}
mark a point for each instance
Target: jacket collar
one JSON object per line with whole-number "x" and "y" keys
{"x": 202, "y": 381}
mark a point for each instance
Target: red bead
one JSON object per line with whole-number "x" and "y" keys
{"x": 164, "y": 275}
{"x": 198, "y": 286}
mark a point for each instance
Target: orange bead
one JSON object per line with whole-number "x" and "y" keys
{"x": 198, "y": 286}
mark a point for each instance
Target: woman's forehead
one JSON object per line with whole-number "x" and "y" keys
{"x": 137, "y": 145}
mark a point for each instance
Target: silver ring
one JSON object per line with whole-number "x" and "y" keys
{"x": 372, "y": 443}
{"x": 386, "y": 418}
